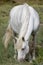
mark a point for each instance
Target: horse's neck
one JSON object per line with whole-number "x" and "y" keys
{"x": 24, "y": 28}
{"x": 30, "y": 28}
{"x": 25, "y": 20}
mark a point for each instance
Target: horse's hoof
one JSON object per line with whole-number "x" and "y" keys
{"x": 30, "y": 61}
{"x": 14, "y": 56}
{"x": 33, "y": 58}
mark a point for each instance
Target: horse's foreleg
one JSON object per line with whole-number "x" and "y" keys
{"x": 7, "y": 36}
{"x": 15, "y": 54}
{"x": 30, "y": 58}
{"x": 34, "y": 45}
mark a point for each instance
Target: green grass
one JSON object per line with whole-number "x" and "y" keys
{"x": 4, "y": 17}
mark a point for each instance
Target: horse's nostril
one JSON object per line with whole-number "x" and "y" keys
{"x": 22, "y": 49}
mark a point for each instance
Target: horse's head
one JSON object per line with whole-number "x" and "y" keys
{"x": 22, "y": 49}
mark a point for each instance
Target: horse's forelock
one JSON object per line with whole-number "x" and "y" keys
{"x": 19, "y": 43}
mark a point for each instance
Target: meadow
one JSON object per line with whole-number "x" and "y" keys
{"x": 6, "y": 58}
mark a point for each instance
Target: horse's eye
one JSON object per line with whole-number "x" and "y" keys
{"x": 23, "y": 49}
{"x": 23, "y": 39}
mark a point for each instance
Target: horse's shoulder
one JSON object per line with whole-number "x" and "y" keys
{"x": 15, "y": 9}
{"x": 32, "y": 10}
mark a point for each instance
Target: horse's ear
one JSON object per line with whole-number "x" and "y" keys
{"x": 23, "y": 39}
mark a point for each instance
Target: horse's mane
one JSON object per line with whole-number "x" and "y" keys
{"x": 23, "y": 29}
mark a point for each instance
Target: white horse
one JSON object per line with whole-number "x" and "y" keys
{"x": 24, "y": 21}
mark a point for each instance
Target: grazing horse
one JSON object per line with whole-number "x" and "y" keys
{"x": 24, "y": 21}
